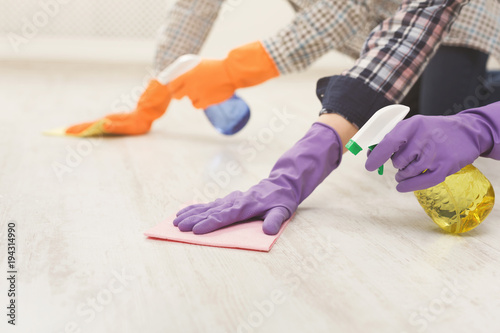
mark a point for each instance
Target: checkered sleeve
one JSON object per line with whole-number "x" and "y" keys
{"x": 393, "y": 57}
{"x": 315, "y": 30}
{"x": 187, "y": 26}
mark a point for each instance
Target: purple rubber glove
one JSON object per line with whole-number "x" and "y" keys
{"x": 442, "y": 145}
{"x": 274, "y": 199}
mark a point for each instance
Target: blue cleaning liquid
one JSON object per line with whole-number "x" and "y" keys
{"x": 230, "y": 116}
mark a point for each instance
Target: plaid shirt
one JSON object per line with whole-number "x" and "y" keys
{"x": 396, "y": 50}
{"x": 343, "y": 25}
{"x": 186, "y": 29}
{"x": 388, "y": 65}
{"x": 318, "y": 27}
{"x": 392, "y": 59}
{"x": 188, "y": 24}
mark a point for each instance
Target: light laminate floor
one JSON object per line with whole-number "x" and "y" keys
{"x": 358, "y": 257}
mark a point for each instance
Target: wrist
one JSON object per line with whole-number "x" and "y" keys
{"x": 350, "y": 97}
{"x": 484, "y": 125}
{"x": 344, "y": 129}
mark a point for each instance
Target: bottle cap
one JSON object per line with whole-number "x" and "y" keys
{"x": 353, "y": 147}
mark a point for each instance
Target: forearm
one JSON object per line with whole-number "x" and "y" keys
{"x": 188, "y": 23}
{"x": 485, "y": 123}
{"x": 395, "y": 54}
{"x": 306, "y": 164}
{"x": 344, "y": 128}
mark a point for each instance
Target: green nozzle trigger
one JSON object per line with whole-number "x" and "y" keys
{"x": 354, "y": 148}
{"x": 380, "y": 168}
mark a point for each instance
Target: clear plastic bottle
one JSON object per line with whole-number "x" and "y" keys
{"x": 230, "y": 116}
{"x": 461, "y": 202}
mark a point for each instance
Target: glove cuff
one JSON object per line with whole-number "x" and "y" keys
{"x": 304, "y": 166}
{"x": 484, "y": 125}
{"x": 249, "y": 65}
{"x": 334, "y": 142}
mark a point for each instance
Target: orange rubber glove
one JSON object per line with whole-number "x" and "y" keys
{"x": 214, "y": 81}
{"x": 151, "y": 105}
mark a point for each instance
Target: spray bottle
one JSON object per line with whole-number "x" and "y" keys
{"x": 461, "y": 202}
{"x": 228, "y": 117}
{"x": 458, "y": 204}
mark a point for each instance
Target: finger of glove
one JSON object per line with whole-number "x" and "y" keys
{"x": 206, "y": 205}
{"x": 178, "y": 87}
{"x": 406, "y": 155}
{"x": 411, "y": 170}
{"x": 189, "y": 221}
{"x": 274, "y": 219}
{"x": 79, "y": 128}
{"x": 192, "y": 211}
{"x": 201, "y": 209}
{"x": 410, "y": 160}
{"x": 199, "y": 104}
{"x": 218, "y": 220}
{"x": 236, "y": 211}
{"x": 127, "y": 127}
{"x": 190, "y": 207}
{"x": 418, "y": 156}
{"x": 383, "y": 151}
{"x": 119, "y": 116}
{"x": 422, "y": 181}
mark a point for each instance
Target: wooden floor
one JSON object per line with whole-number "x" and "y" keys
{"x": 358, "y": 257}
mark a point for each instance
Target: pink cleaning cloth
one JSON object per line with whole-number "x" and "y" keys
{"x": 243, "y": 236}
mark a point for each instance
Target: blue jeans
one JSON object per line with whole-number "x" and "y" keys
{"x": 454, "y": 80}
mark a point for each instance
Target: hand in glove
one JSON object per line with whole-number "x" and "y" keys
{"x": 151, "y": 105}
{"x": 293, "y": 178}
{"x": 214, "y": 81}
{"x": 438, "y": 145}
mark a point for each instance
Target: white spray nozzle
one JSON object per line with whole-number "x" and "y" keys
{"x": 180, "y": 66}
{"x": 381, "y": 123}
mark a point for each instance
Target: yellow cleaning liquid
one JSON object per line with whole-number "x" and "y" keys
{"x": 461, "y": 202}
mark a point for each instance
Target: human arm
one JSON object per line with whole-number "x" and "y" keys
{"x": 275, "y": 198}
{"x": 354, "y": 109}
{"x": 315, "y": 30}
{"x": 326, "y": 25}
{"x": 427, "y": 149}
{"x": 187, "y": 25}
{"x": 395, "y": 54}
